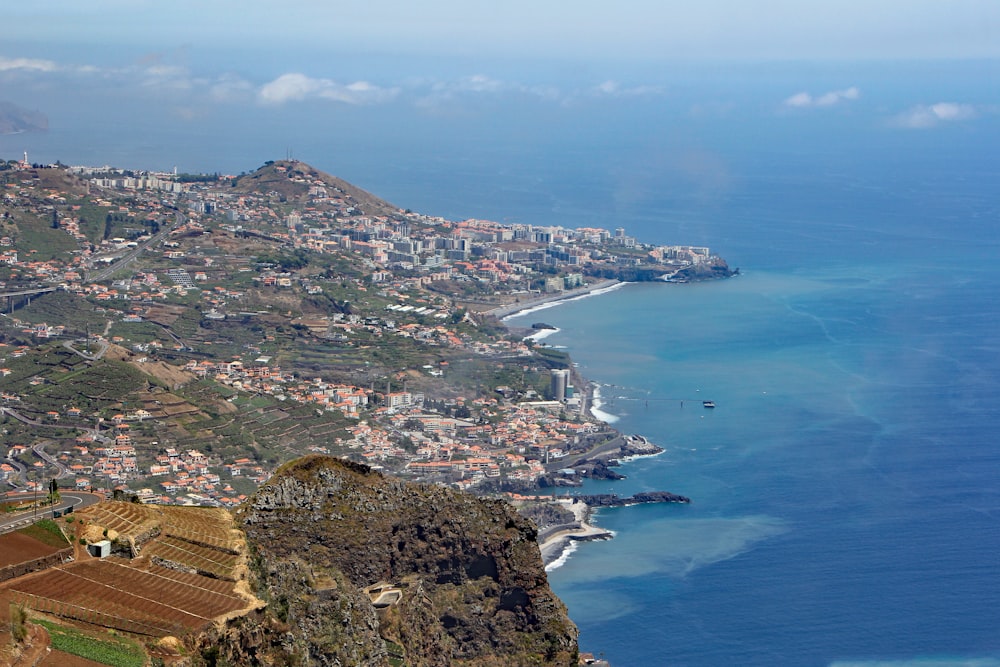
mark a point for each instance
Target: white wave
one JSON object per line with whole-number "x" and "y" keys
{"x": 634, "y": 457}
{"x": 551, "y": 304}
{"x": 677, "y": 546}
{"x": 568, "y": 549}
{"x": 595, "y": 407}
{"x": 540, "y": 334}
{"x": 570, "y": 546}
{"x": 533, "y": 309}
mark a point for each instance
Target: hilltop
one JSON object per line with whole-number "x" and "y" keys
{"x": 445, "y": 578}
{"x": 329, "y": 562}
{"x": 294, "y": 180}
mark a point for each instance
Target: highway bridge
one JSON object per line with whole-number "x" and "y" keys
{"x": 28, "y": 292}
{"x": 103, "y": 273}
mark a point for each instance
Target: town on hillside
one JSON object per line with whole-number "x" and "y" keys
{"x": 176, "y": 337}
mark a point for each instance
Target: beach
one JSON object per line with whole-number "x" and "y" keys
{"x": 555, "y": 545}
{"x": 540, "y": 302}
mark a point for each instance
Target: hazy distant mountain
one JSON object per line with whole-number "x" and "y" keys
{"x": 15, "y": 119}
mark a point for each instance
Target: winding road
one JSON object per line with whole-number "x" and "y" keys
{"x": 67, "y": 499}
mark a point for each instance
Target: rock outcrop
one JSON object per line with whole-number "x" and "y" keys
{"x": 457, "y": 580}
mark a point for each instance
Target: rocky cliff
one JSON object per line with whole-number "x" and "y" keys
{"x": 361, "y": 569}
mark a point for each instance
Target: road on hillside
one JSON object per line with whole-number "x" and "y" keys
{"x": 74, "y": 499}
{"x": 98, "y": 275}
{"x": 39, "y": 450}
{"x": 101, "y": 344}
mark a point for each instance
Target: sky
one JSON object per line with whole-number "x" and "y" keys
{"x": 372, "y": 51}
{"x": 595, "y": 29}
{"x": 185, "y": 63}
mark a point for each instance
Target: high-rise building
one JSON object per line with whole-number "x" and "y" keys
{"x": 560, "y": 380}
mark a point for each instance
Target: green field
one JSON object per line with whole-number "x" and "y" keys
{"x": 46, "y": 532}
{"x": 112, "y": 650}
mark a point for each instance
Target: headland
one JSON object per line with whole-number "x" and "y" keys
{"x": 327, "y": 320}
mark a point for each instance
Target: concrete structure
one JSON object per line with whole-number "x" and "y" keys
{"x": 100, "y": 549}
{"x": 560, "y": 380}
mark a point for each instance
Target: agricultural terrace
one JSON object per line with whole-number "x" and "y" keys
{"x": 155, "y": 601}
{"x": 208, "y": 527}
{"x": 188, "y": 569}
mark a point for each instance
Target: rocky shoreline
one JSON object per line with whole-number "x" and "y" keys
{"x": 555, "y": 540}
{"x": 597, "y": 463}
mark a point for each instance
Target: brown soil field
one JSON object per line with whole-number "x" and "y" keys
{"x": 156, "y": 594}
{"x": 118, "y": 353}
{"x": 18, "y": 548}
{"x": 154, "y": 603}
{"x": 197, "y": 557}
{"x": 120, "y": 517}
{"x": 178, "y": 408}
{"x": 164, "y": 314}
{"x": 164, "y": 372}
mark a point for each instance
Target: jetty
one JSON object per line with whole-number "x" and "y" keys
{"x": 614, "y": 500}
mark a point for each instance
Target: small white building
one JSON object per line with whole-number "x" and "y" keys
{"x": 100, "y": 549}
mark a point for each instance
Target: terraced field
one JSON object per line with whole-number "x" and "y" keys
{"x": 155, "y": 602}
{"x": 188, "y": 571}
{"x": 128, "y": 520}
{"x": 203, "y": 560}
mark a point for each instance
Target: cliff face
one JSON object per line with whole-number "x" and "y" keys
{"x": 463, "y": 578}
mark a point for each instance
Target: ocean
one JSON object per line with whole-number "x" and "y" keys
{"x": 846, "y": 508}
{"x": 845, "y": 501}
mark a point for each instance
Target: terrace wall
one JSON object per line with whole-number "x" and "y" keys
{"x": 34, "y": 565}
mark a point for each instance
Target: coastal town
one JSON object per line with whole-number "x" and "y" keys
{"x": 240, "y": 321}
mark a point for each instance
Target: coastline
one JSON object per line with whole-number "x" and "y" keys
{"x": 559, "y": 542}
{"x": 557, "y": 545}
{"x": 537, "y": 303}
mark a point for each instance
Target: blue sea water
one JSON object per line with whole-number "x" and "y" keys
{"x": 845, "y": 501}
{"x": 846, "y": 508}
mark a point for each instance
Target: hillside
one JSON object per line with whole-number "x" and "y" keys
{"x": 172, "y": 572}
{"x": 293, "y": 180}
{"x": 15, "y": 119}
{"x": 455, "y": 580}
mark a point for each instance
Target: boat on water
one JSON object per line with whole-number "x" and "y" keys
{"x": 708, "y": 404}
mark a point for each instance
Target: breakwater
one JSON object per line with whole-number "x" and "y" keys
{"x": 614, "y": 500}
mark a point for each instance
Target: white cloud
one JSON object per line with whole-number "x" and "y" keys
{"x": 611, "y": 88}
{"x": 166, "y": 77}
{"x": 437, "y": 96}
{"x": 229, "y": 88}
{"x": 925, "y": 116}
{"x": 479, "y": 83}
{"x": 804, "y": 100}
{"x": 295, "y": 87}
{"x": 29, "y": 64}
{"x": 475, "y": 83}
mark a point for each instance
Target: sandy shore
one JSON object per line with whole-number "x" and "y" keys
{"x": 556, "y": 542}
{"x": 528, "y": 304}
